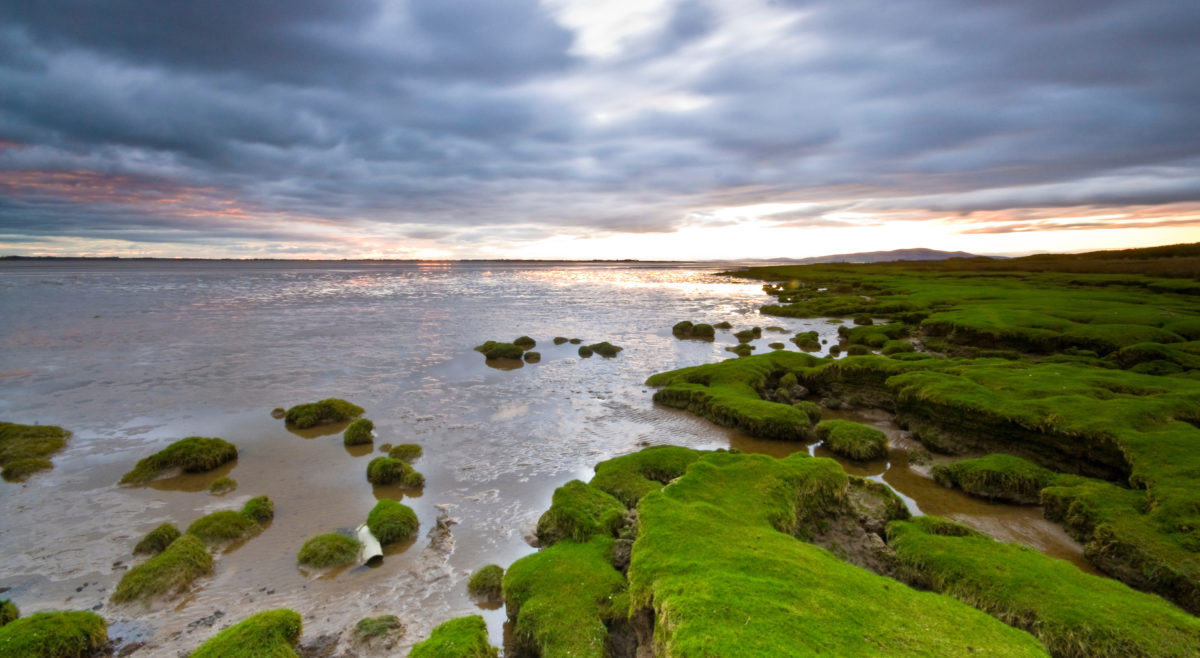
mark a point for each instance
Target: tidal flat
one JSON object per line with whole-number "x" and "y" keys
{"x": 131, "y": 356}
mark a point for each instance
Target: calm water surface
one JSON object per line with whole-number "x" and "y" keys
{"x": 130, "y": 356}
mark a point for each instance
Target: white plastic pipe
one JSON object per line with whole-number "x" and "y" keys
{"x": 371, "y": 550}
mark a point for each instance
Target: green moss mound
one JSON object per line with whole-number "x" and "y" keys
{"x": 329, "y": 410}
{"x": 808, "y": 341}
{"x": 717, "y": 561}
{"x": 494, "y": 350}
{"x": 375, "y": 628}
{"x": 260, "y": 509}
{"x": 997, "y": 477}
{"x": 228, "y": 526}
{"x": 54, "y": 635}
{"x": 222, "y": 485}
{"x": 632, "y": 476}
{"x": 585, "y": 351}
{"x": 559, "y": 340}
{"x": 686, "y": 329}
{"x": 776, "y": 346}
{"x": 25, "y": 449}
{"x": 157, "y": 540}
{"x": 724, "y": 324}
{"x": 195, "y": 454}
{"x": 385, "y": 470}
{"x": 580, "y": 511}
{"x": 19, "y": 470}
{"x": 525, "y": 343}
{"x": 358, "y": 433}
{"x": 391, "y": 521}
{"x": 8, "y": 611}
{"x": 563, "y": 599}
{"x": 746, "y": 335}
{"x": 852, "y": 440}
{"x": 464, "y": 637}
{"x": 166, "y": 574}
{"x": 328, "y": 550}
{"x": 604, "y": 349}
{"x": 405, "y": 452}
{"x": 487, "y": 582}
{"x": 741, "y": 350}
{"x": 533, "y": 357}
{"x": 1074, "y": 614}
{"x": 270, "y": 634}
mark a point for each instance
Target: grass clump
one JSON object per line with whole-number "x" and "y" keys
{"x": 718, "y": 562}
{"x": 376, "y": 628}
{"x": 464, "y": 637}
{"x": 533, "y": 357}
{"x": 8, "y": 611}
{"x": 166, "y": 574}
{"x": 682, "y": 329}
{"x": 604, "y": 349}
{"x": 723, "y": 324}
{"x": 25, "y": 449}
{"x": 559, "y": 340}
{"x": 1075, "y": 614}
{"x": 405, "y": 451}
{"x": 386, "y": 470}
{"x": 157, "y": 540}
{"x": 742, "y": 350}
{"x": 746, "y": 335}
{"x": 997, "y": 477}
{"x": 195, "y": 454}
{"x": 358, "y": 433}
{"x": 632, "y": 476}
{"x": 328, "y": 550}
{"x": 223, "y": 484}
{"x": 562, "y": 599}
{"x": 391, "y": 521}
{"x": 686, "y": 329}
{"x": 808, "y": 341}
{"x": 70, "y": 634}
{"x": 580, "y": 511}
{"x": 852, "y": 440}
{"x": 525, "y": 343}
{"x": 260, "y": 508}
{"x": 494, "y": 350}
{"x": 269, "y": 634}
{"x": 776, "y": 346}
{"x": 487, "y": 582}
{"x": 329, "y": 410}
{"x": 585, "y": 351}
{"x": 227, "y": 525}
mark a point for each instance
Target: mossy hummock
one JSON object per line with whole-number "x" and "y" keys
{"x": 226, "y": 526}
{"x": 997, "y": 477}
{"x": 494, "y": 350}
{"x": 169, "y": 573}
{"x": 391, "y": 521}
{"x": 25, "y": 449}
{"x": 157, "y": 540}
{"x": 54, "y": 635}
{"x": 852, "y": 440}
{"x": 195, "y": 454}
{"x": 386, "y": 470}
{"x": 8, "y": 611}
{"x": 405, "y": 452}
{"x": 359, "y": 432}
{"x": 372, "y": 629}
{"x": 486, "y": 583}
{"x": 464, "y": 637}
{"x": 580, "y": 511}
{"x": 525, "y": 343}
{"x": 222, "y": 485}
{"x": 270, "y": 634}
{"x": 328, "y": 550}
{"x": 632, "y": 476}
{"x": 329, "y": 410}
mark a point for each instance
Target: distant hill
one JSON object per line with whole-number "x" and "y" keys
{"x": 880, "y": 256}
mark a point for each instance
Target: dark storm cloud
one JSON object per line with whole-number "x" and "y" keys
{"x": 453, "y": 119}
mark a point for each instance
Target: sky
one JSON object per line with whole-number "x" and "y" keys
{"x": 656, "y": 129}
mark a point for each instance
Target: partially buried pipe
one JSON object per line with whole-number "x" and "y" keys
{"x": 372, "y": 552}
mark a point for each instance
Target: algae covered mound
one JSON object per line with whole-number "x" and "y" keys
{"x": 269, "y": 634}
{"x": 54, "y": 635}
{"x": 386, "y": 470}
{"x": 391, "y": 521}
{"x": 853, "y": 440}
{"x": 604, "y": 349}
{"x": 719, "y": 567}
{"x": 579, "y": 511}
{"x": 1073, "y": 613}
{"x": 494, "y": 350}
{"x": 329, "y": 410}
{"x": 381, "y": 631}
{"x": 486, "y": 582}
{"x": 464, "y": 637}
{"x": 222, "y": 485}
{"x": 358, "y": 432}
{"x": 194, "y": 454}
{"x": 166, "y": 574}
{"x": 632, "y": 476}
{"x": 8, "y": 611}
{"x": 228, "y": 526}
{"x": 328, "y": 550}
{"x": 686, "y": 329}
{"x": 157, "y": 540}
{"x": 25, "y": 449}
{"x": 997, "y": 477}
{"x": 405, "y": 452}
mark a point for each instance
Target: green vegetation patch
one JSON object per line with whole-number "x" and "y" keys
{"x": 166, "y": 574}
{"x": 494, "y": 350}
{"x": 563, "y": 598}
{"x": 195, "y": 454}
{"x": 223, "y": 484}
{"x": 632, "y": 476}
{"x": 375, "y": 628}
{"x": 405, "y": 452}
{"x": 391, "y": 521}
{"x": 559, "y": 340}
{"x": 157, "y": 540}
{"x": 328, "y": 550}
{"x": 997, "y": 477}
{"x": 487, "y": 582}
{"x": 386, "y": 470}
{"x": 24, "y": 449}
{"x": 604, "y": 349}
{"x": 329, "y": 410}
{"x": 852, "y": 440}
{"x": 464, "y": 637}
{"x": 259, "y": 508}
{"x": 686, "y": 329}
{"x": 525, "y": 343}
{"x": 533, "y": 357}
{"x": 718, "y": 561}
{"x": 808, "y": 341}
{"x": 8, "y": 611}
{"x": 358, "y": 432}
{"x": 1073, "y": 613}
{"x": 54, "y": 635}
{"x": 580, "y": 511}
{"x": 269, "y": 634}
{"x": 227, "y": 525}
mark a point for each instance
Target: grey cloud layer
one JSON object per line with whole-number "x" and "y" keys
{"x": 461, "y": 117}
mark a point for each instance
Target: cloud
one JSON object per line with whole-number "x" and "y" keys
{"x": 469, "y": 122}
